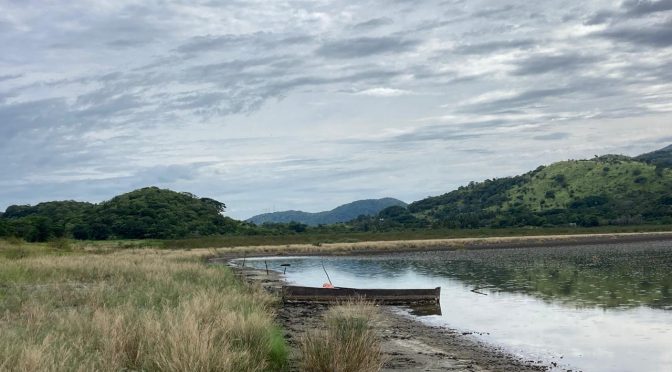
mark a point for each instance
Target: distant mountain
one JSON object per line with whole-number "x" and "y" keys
{"x": 662, "y": 157}
{"x": 606, "y": 190}
{"x": 343, "y": 213}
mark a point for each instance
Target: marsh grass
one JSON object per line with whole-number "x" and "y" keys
{"x": 131, "y": 310}
{"x": 347, "y": 344}
{"x": 317, "y": 238}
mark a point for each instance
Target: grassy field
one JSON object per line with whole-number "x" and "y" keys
{"x": 70, "y": 307}
{"x": 355, "y": 237}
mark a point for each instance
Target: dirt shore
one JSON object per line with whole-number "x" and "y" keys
{"x": 407, "y": 345}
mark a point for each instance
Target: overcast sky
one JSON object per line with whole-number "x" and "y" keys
{"x": 272, "y": 105}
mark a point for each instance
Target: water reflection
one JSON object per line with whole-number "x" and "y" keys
{"x": 595, "y": 308}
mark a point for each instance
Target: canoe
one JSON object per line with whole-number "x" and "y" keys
{"x": 385, "y": 296}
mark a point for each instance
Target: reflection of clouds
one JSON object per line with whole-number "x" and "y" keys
{"x": 611, "y": 276}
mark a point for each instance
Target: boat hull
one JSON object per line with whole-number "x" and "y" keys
{"x": 385, "y": 296}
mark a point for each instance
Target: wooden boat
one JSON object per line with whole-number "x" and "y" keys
{"x": 385, "y": 296}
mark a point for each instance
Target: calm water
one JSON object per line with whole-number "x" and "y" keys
{"x": 591, "y": 308}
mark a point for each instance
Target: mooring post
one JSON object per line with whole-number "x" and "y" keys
{"x": 244, "y": 257}
{"x": 266, "y": 263}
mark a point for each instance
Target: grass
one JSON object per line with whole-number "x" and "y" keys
{"x": 73, "y": 310}
{"x": 319, "y": 239}
{"x": 347, "y": 344}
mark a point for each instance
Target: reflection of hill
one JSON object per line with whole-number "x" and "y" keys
{"x": 597, "y": 276}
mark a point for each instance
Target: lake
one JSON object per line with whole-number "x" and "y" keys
{"x": 592, "y": 308}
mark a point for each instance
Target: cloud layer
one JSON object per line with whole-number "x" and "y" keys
{"x": 306, "y": 105}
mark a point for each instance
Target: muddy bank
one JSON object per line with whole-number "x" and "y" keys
{"x": 408, "y": 345}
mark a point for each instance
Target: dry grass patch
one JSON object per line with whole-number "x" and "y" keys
{"x": 132, "y": 310}
{"x": 347, "y": 344}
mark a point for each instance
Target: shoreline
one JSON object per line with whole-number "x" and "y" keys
{"x": 408, "y": 246}
{"x": 407, "y": 343}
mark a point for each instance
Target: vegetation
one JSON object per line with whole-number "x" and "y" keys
{"x": 611, "y": 190}
{"x": 661, "y": 158}
{"x": 343, "y": 213}
{"x": 110, "y": 310}
{"x": 315, "y": 238}
{"x": 149, "y": 213}
{"x": 347, "y": 344}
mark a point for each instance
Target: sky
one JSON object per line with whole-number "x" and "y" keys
{"x": 273, "y": 105}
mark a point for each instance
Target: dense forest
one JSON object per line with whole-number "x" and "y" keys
{"x": 146, "y": 213}
{"x": 607, "y": 190}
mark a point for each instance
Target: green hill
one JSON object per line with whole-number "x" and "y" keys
{"x": 607, "y": 190}
{"x": 342, "y": 213}
{"x": 145, "y": 213}
{"x": 661, "y": 158}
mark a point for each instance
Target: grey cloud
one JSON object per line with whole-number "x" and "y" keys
{"x": 628, "y": 10}
{"x": 655, "y": 35}
{"x": 540, "y": 64}
{"x": 497, "y": 11}
{"x": 600, "y": 17}
{"x": 494, "y": 46}
{"x": 552, "y": 136}
{"x": 260, "y": 40}
{"x": 365, "y": 47}
{"x": 522, "y": 99}
{"x": 644, "y": 7}
{"x": 28, "y": 116}
{"x": 373, "y": 23}
{"x": 134, "y": 79}
{"x": 10, "y": 77}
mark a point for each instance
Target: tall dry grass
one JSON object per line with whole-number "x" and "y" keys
{"x": 347, "y": 344}
{"x": 131, "y": 310}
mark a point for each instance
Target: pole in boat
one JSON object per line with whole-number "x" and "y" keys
{"x": 328, "y": 278}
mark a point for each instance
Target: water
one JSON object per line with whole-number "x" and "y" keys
{"x": 591, "y": 308}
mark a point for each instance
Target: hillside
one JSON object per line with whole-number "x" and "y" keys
{"x": 145, "y": 213}
{"x": 607, "y": 190}
{"x": 342, "y": 213}
{"x": 662, "y": 157}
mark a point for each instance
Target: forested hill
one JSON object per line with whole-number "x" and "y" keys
{"x": 342, "y": 213}
{"x": 662, "y": 157}
{"x": 145, "y": 213}
{"x": 611, "y": 189}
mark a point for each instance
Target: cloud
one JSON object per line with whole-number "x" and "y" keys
{"x": 10, "y": 77}
{"x": 384, "y": 92}
{"x": 552, "y": 136}
{"x": 365, "y": 47}
{"x": 494, "y": 46}
{"x": 373, "y": 23}
{"x": 654, "y": 35}
{"x": 244, "y": 100}
{"x": 517, "y": 100}
{"x": 545, "y": 63}
{"x": 644, "y": 7}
